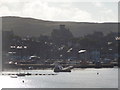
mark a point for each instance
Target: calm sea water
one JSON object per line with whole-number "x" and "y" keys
{"x": 78, "y": 78}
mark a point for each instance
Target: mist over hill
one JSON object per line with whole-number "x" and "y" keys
{"x": 35, "y": 27}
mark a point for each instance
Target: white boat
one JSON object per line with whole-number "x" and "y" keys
{"x": 59, "y": 68}
{"x": 13, "y": 76}
{"x": 21, "y": 73}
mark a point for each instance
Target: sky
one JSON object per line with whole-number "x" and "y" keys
{"x": 62, "y": 10}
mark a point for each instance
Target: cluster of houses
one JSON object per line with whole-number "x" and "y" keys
{"x": 61, "y": 46}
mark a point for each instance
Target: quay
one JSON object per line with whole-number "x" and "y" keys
{"x": 94, "y": 66}
{"x": 45, "y": 66}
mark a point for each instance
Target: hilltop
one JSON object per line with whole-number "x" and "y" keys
{"x": 35, "y": 27}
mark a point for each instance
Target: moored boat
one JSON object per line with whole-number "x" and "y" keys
{"x": 13, "y": 76}
{"x": 21, "y": 74}
{"x": 59, "y": 68}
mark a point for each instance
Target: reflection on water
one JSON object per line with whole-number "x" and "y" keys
{"x": 78, "y": 78}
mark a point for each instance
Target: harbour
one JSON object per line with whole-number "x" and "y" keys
{"x": 47, "y": 44}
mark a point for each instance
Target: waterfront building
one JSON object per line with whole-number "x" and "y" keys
{"x": 95, "y": 56}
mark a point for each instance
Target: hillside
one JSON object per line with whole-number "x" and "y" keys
{"x": 34, "y": 27}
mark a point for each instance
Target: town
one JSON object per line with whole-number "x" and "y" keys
{"x": 94, "y": 50}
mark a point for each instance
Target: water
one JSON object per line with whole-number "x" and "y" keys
{"x": 78, "y": 78}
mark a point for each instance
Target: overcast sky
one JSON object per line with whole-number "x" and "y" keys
{"x": 62, "y": 10}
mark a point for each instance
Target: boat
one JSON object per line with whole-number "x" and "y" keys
{"x": 59, "y": 68}
{"x": 21, "y": 74}
{"x": 13, "y": 76}
{"x": 28, "y": 74}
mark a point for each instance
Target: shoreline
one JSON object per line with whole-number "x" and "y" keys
{"x": 52, "y": 69}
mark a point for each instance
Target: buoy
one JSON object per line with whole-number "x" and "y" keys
{"x": 23, "y": 81}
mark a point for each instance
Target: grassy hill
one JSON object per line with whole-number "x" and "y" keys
{"x": 34, "y": 27}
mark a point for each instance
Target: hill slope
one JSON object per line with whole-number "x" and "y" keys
{"x": 34, "y": 27}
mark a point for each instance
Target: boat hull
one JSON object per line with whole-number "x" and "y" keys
{"x": 66, "y": 70}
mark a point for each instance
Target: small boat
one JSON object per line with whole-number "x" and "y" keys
{"x": 65, "y": 70}
{"x": 21, "y": 74}
{"x": 59, "y": 68}
{"x": 28, "y": 74}
{"x": 13, "y": 76}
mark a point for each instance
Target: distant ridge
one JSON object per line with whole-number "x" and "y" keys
{"x": 35, "y": 27}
